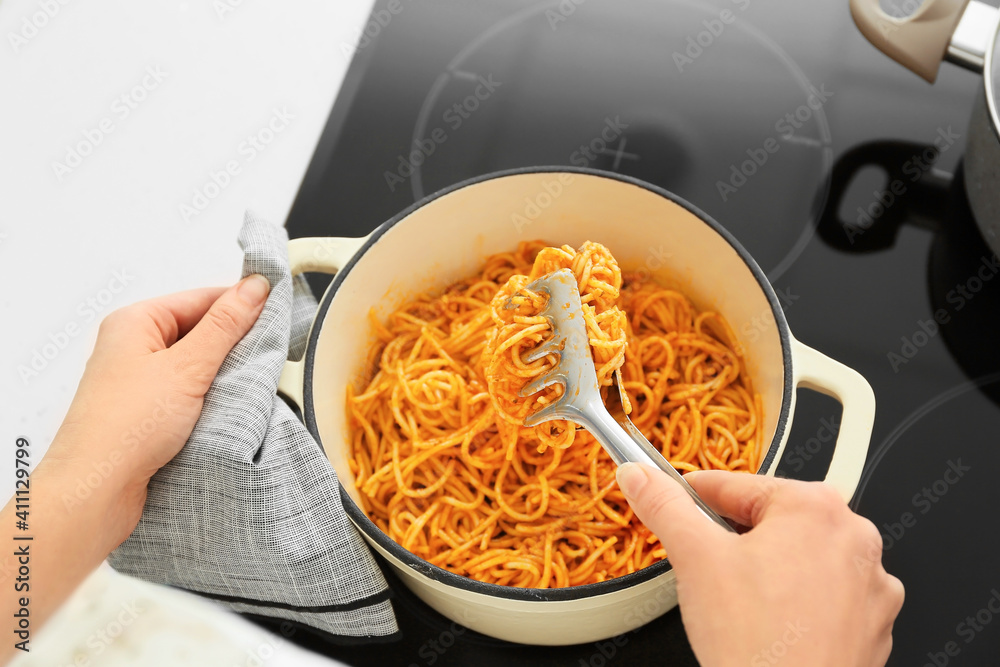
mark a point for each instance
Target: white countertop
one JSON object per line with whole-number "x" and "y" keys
{"x": 117, "y": 116}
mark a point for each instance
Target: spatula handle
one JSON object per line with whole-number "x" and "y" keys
{"x": 625, "y": 443}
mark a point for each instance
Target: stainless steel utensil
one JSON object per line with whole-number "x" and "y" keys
{"x": 581, "y": 401}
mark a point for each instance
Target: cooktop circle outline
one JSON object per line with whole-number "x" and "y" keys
{"x": 879, "y": 452}
{"x": 822, "y": 124}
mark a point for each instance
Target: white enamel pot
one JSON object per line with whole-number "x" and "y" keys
{"x": 445, "y": 238}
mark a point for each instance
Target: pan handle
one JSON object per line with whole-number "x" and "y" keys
{"x": 921, "y": 41}
{"x": 914, "y": 194}
{"x": 814, "y": 370}
{"x": 313, "y": 255}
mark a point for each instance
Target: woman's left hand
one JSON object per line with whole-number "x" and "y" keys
{"x": 143, "y": 390}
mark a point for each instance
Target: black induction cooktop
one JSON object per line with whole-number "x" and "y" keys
{"x": 779, "y": 120}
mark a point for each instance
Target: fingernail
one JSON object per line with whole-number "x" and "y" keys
{"x": 631, "y": 478}
{"x": 253, "y": 290}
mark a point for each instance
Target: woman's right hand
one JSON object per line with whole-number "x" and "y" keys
{"x": 805, "y": 586}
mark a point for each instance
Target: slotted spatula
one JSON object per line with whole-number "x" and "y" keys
{"x": 581, "y": 401}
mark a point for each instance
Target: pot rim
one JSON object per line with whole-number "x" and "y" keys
{"x": 990, "y": 83}
{"x": 374, "y": 533}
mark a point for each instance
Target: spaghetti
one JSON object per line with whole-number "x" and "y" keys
{"x": 451, "y": 474}
{"x": 518, "y": 328}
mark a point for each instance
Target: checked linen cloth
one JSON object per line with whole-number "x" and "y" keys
{"x": 249, "y": 512}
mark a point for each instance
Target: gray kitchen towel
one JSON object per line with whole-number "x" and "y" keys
{"x": 249, "y": 512}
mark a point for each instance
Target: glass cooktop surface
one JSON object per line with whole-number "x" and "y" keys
{"x": 837, "y": 169}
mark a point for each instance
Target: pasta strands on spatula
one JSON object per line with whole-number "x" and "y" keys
{"x": 519, "y": 329}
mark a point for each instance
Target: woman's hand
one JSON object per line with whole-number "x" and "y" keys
{"x": 144, "y": 385}
{"x": 136, "y": 406}
{"x": 805, "y": 586}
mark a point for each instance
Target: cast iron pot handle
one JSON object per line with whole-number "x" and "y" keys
{"x": 316, "y": 255}
{"x": 814, "y": 370}
{"x": 914, "y": 194}
{"x": 920, "y": 41}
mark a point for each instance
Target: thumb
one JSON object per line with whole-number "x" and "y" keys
{"x": 744, "y": 498}
{"x": 205, "y": 347}
{"x": 663, "y": 505}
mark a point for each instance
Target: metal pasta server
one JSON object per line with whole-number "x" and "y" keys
{"x": 581, "y": 401}
{"x": 963, "y": 32}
